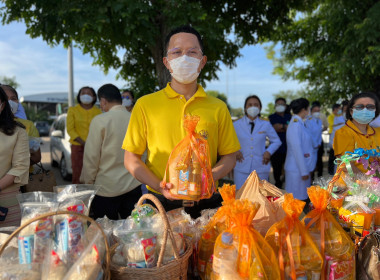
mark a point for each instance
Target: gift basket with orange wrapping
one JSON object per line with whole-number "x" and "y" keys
{"x": 189, "y": 167}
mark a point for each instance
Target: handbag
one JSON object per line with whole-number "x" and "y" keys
{"x": 368, "y": 258}
{"x": 42, "y": 180}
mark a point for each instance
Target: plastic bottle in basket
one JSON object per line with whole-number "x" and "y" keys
{"x": 206, "y": 248}
{"x": 224, "y": 262}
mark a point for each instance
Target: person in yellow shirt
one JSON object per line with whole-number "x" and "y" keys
{"x": 31, "y": 130}
{"x": 78, "y": 122}
{"x": 357, "y": 133}
{"x": 156, "y": 123}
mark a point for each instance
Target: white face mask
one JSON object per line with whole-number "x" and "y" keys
{"x": 126, "y": 102}
{"x": 185, "y": 69}
{"x": 14, "y": 106}
{"x": 316, "y": 115}
{"x": 86, "y": 99}
{"x": 280, "y": 108}
{"x": 253, "y": 111}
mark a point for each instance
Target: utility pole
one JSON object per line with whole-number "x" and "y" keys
{"x": 71, "y": 80}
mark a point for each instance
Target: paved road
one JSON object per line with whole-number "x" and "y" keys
{"x": 45, "y": 152}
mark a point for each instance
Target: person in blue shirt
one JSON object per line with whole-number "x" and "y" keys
{"x": 299, "y": 160}
{"x": 279, "y": 120}
{"x": 252, "y": 132}
{"x": 315, "y": 127}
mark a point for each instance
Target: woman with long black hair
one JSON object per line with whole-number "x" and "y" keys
{"x": 14, "y": 163}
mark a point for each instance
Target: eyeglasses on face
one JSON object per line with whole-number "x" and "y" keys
{"x": 178, "y": 52}
{"x": 359, "y": 107}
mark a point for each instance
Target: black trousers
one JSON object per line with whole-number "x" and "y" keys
{"x": 278, "y": 160}
{"x": 194, "y": 211}
{"x": 112, "y": 207}
{"x": 331, "y": 164}
{"x": 319, "y": 165}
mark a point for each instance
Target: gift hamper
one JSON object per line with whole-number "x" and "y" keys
{"x": 144, "y": 263}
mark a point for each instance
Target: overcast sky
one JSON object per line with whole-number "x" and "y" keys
{"x": 39, "y": 68}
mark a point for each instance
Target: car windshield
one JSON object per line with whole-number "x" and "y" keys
{"x": 42, "y": 124}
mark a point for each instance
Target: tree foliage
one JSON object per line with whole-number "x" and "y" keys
{"x": 334, "y": 47}
{"x": 219, "y": 95}
{"x": 9, "y": 81}
{"x": 128, "y": 35}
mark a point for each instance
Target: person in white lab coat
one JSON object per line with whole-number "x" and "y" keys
{"x": 315, "y": 127}
{"x": 298, "y": 163}
{"x": 252, "y": 132}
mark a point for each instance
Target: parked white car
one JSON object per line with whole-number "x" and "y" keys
{"x": 60, "y": 150}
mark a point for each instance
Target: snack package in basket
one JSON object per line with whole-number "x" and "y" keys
{"x": 268, "y": 196}
{"x": 217, "y": 224}
{"x": 255, "y": 258}
{"x": 298, "y": 255}
{"x": 189, "y": 167}
{"x": 335, "y": 245}
{"x": 35, "y": 241}
{"x": 70, "y": 229}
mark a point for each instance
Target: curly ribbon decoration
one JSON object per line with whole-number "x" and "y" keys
{"x": 346, "y": 161}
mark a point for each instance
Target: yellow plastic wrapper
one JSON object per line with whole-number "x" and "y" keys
{"x": 335, "y": 245}
{"x": 189, "y": 167}
{"x": 217, "y": 224}
{"x": 298, "y": 255}
{"x": 255, "y": 257}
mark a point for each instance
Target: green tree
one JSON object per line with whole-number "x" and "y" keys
{"x": 9, "y": 81}
{"x": 237, "y": 112}
{"x": 128, "y": 35}
{"x": 219, "y": 95}
{"x": 334, "y": 47}
{"x": 33, "y": 115}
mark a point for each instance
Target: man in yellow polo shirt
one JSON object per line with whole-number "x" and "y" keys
{"x": 156, "y": 123}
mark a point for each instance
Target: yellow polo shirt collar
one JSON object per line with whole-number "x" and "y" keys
{"x": 170, "y": 93}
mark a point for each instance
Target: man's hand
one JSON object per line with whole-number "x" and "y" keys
{"x": 239, "y": 156}
{"x": 2, "y": 214}
{"x": 266, "y": 157}
{"x": 165, "y": 190}
{"x": 304, "y": 178}
{"x": 279, "y": 127}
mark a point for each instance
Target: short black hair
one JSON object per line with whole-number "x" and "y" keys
{"x": 12, "y": 89}
{"x": 315, "y": 104}
{"x": 362, "y": 95}
{"x": 92, "y": 91}
{"x": 298, "y": 104}
{"x": 344, "y": 103}
{"x": 130, "y": 92}
{"x": 110, "y": 93}
{"x": 280, "y": 99}
{"x": 335, "y": 106}
{"x": 183, "y": 29}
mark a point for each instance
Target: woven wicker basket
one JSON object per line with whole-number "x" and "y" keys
{"x": 175, "y": 269}
{"x": 106, "y": 265}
